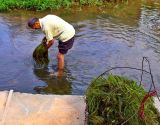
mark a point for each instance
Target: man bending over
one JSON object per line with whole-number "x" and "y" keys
{"x": 55, "y": 27}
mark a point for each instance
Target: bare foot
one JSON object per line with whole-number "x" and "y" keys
{"x": 59, "y": 73}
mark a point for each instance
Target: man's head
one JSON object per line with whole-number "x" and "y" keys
{"x": 34, "y": 23}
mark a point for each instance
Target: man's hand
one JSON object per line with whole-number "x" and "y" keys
{"x": 50, "y": 43}
{"x": 44, "y": 40}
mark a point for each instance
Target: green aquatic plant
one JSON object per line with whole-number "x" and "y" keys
{"x": 40, "y": 54}
{"x": 115, "y": 100}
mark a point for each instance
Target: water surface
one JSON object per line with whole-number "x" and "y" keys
{"x": 118, "y": 35}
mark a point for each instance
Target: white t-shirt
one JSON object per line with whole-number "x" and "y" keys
{"x": 56, "y": 28}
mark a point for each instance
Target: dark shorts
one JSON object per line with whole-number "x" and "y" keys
{"x": 65, "y": 46}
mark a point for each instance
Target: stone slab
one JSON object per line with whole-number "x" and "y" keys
{"x": 36, "y": 109}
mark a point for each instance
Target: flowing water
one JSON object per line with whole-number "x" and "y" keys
{"x": 117, "y": 35}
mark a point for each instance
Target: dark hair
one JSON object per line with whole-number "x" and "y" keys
{"x": 32, "y": 21}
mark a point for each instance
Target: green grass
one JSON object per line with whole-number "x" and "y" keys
{"x": 40, "y": 54}
{"x": 40, "y": 5}
{"x": 30, "y": 4}
{"x": 114, "y": 100}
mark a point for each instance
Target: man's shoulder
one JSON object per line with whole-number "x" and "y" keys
{"x": 49, "y": 19}
{"x": 50, "y": 16}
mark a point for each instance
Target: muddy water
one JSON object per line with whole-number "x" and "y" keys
{"x": 117, "y": 35}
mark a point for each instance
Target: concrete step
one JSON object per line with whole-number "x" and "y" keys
{"x": 35, "y": 109}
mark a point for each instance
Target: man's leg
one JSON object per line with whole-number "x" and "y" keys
{"x": 63, "y": 49}
{"x": 60, "y": 58}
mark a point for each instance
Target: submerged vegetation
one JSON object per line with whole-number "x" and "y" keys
{"x": 40, "y": 54}
{"x": 115, "y": 100}
{"x": 48, "y": 4}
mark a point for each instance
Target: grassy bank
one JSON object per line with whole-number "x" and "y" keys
{"x": 47, "y": 4}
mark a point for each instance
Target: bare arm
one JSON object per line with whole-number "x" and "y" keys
{"x": 50, "y": 43}
{"x": 50, "y": 38}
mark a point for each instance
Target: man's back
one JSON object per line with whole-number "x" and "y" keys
{"x": 55, "y": 27}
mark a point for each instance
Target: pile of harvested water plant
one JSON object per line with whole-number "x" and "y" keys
{"x": 40, "y": 54}
{"x": 115, "y": 100}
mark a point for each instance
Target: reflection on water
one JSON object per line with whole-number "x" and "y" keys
{"x": 56, "y": 85}
{"x": 119, "y": 35}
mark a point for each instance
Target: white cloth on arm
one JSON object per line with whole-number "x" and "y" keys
{"x": 56, "y": 28}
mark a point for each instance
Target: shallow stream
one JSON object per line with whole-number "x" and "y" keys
{"x": 120, "y": 35}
